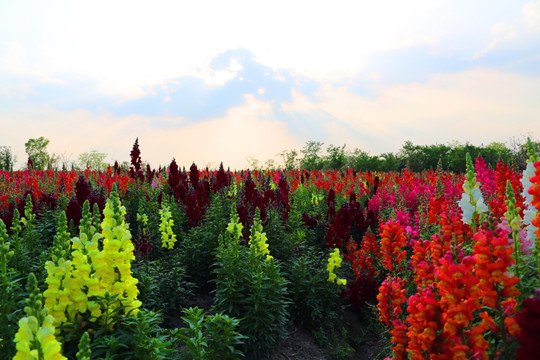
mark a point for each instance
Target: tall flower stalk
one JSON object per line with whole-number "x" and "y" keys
{"x": 534, "y": 190}
{"x": 258, "y": 238}
{"x": 472, "y": 203}
{"x": 168, "y": 237}
{"x": 514, "y": 220}
{"x": 334, "y": 262}
{"x": 35, "y": 338}
{"x": 98, "y": 266}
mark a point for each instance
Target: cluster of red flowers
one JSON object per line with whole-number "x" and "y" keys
{"x": 364, "y": 260}
{"x": 391, "y": 296}
{"x": 497, "y": 287}
{"x": 466, "y": 300}
{"x": 392, "y": 242}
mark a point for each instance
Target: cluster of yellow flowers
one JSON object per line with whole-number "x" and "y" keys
{"x": 235, "y": 227}
{"x": 37, "y": 341}
{"x": 168, "y": 238}
{"x": 257, "y": 238}
{"x": 35, "y": 338}
{"x": 334, "y": 262}
{"x": 100, "y": 264}
{"x": 57, "y": 295}
{"x": 316, "y": 199}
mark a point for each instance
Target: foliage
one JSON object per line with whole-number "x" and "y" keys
{"x": 163, "y": 284}
{"x": 210, "y": 336}
{"x": 11, "y": 294}
{"x": 37, "y": 152}
{"x": 314, "y": 300}
{"x": 93, "y": 159}
{"x": 201, "y": 242}
{"x": 312, "y": 157}
{"x": 255, "y": 292}
{"x": 417, "y": 158}
{"x": 290, "y": 159}
{"x": 336, "y": 158}
{"x": 7, "y": 159}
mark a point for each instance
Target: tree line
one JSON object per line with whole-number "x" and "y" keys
{"x": 417, "y": 158}
{"x": 39, "y": 158}
{"x": 313, "y": 156}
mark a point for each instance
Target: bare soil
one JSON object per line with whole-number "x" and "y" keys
{"x": 301, "y": 344}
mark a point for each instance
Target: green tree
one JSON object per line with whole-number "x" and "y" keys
{"x": 458, "y": 154}
{"x": 290, "y": 159}
{"x": 363, "y": 161}
{"x": 413, "y": 156}
{"x": 93, "y": 159}
{"x": 37, "y": 152}
{"x": 389, "y": 162}
{"x": 336, "y": 158}
{"x": 7, "y": 160}
{"x": 253, "y": 163}
{"x": 312, "y": 158}
{"x": 432, "y": 154}
{"x": 270, "y": 164}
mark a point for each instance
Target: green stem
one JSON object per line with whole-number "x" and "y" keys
{"x": 517, "y": 253}
{"x": 502, "y": 325}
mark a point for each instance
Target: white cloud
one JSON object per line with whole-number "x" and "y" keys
{"x": 13, "y": 60}
{"x": 218, "y": 77}
{"x": 248, "y": 129}
{"x": 501, "y": 32}
{"x": 531, "y": 15}
{"x": 521, "y": 30}
{"x": 480, "y": 106}
{"x": 127, "y": 46}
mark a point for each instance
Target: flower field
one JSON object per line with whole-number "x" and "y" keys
{"x": 114, "y": 264}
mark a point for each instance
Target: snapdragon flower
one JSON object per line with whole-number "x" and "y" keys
{"x": 529, "y": 213}
{"x": 235, "y": 227}
{"x": 471, "y": 203}
{"x": 258, "y": 238}
{"x": 100, "y": 264}
{"x": 168, "y": 237}
{"x": 334, "y": 262}
{"x": 35, "y": 338}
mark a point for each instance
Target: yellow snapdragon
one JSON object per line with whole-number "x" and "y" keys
{"x": 112, "y": 265}
{"x": 235, "y": 227}
{"x": 168, "y": 237}
{"x": 258, "y": 238}
{"x": 35, "y": 341}
{"x": 57, "y": 296}
{"x": 100, "y": 264}
{"x": 35, "y": 338}
{"x": 316, "y": 199}
{"x": 334, "y": 262}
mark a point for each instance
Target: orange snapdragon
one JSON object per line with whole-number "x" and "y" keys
{"x": 392, "y": 242}
{"x": 496, "y": 286}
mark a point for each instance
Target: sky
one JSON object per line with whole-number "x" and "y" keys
{"x": 211, "y": 81}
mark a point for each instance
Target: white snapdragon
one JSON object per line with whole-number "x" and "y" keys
{"x": 530, "y": 212}
{"x": 472, "y": 202}
{"x": 528, "y": 173}
{"x": 467, "y": 208}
